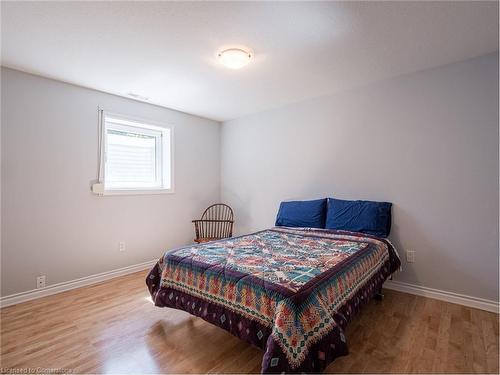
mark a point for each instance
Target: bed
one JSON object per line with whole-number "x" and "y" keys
{"x": 289, "y": 291}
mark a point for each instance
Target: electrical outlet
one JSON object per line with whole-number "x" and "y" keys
{"x": 40, "y": 282}
{"x": 121, "y": 246}
{"x": 410, "y": 256}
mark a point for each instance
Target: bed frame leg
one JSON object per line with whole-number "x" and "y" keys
{"x": 380, "y": 295}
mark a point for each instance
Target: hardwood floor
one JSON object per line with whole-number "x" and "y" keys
{"x": 113, "y": 327}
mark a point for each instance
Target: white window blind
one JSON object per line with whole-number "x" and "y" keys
{"x": 137, "y": 155}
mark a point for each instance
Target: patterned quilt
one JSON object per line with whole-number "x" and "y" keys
{"x": 288, "y": 291}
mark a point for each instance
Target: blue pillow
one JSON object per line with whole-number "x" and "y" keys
{"x": 359, "y": 216}
{"x": 308, "y": 214}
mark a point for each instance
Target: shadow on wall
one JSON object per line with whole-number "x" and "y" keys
{"x": 240, "y": 209}
{"x": 395, "y": 237}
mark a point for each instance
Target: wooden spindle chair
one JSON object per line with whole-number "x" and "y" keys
{"x": 215, "y": 223}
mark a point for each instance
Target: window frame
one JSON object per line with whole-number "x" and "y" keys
{"x": 166, "y": 158}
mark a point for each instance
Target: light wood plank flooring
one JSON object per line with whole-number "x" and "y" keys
{"x": 113, "y": 327}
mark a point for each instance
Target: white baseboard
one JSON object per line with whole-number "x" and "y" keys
{"x": 14, "y": 299}
{"x": 460, "y": 299}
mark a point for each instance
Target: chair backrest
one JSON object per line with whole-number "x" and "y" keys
{"x": 218, "y": 221}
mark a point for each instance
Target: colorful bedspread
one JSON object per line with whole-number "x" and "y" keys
{"x": 288, "y": 291}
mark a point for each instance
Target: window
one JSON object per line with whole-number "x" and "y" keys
{"x": 137, "y": 156}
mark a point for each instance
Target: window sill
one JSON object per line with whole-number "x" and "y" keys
{"x": 137, "y": 192}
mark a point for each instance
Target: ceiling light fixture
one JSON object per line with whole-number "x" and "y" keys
{"x": 137, "y": 96}
{"x": 234, "y": 58}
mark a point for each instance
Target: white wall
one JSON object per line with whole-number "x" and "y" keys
{"x": 428, "y": 142}
{"x": 51, "y": 223}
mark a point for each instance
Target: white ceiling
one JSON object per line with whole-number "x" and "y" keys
{"x": 166, "y": 50}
